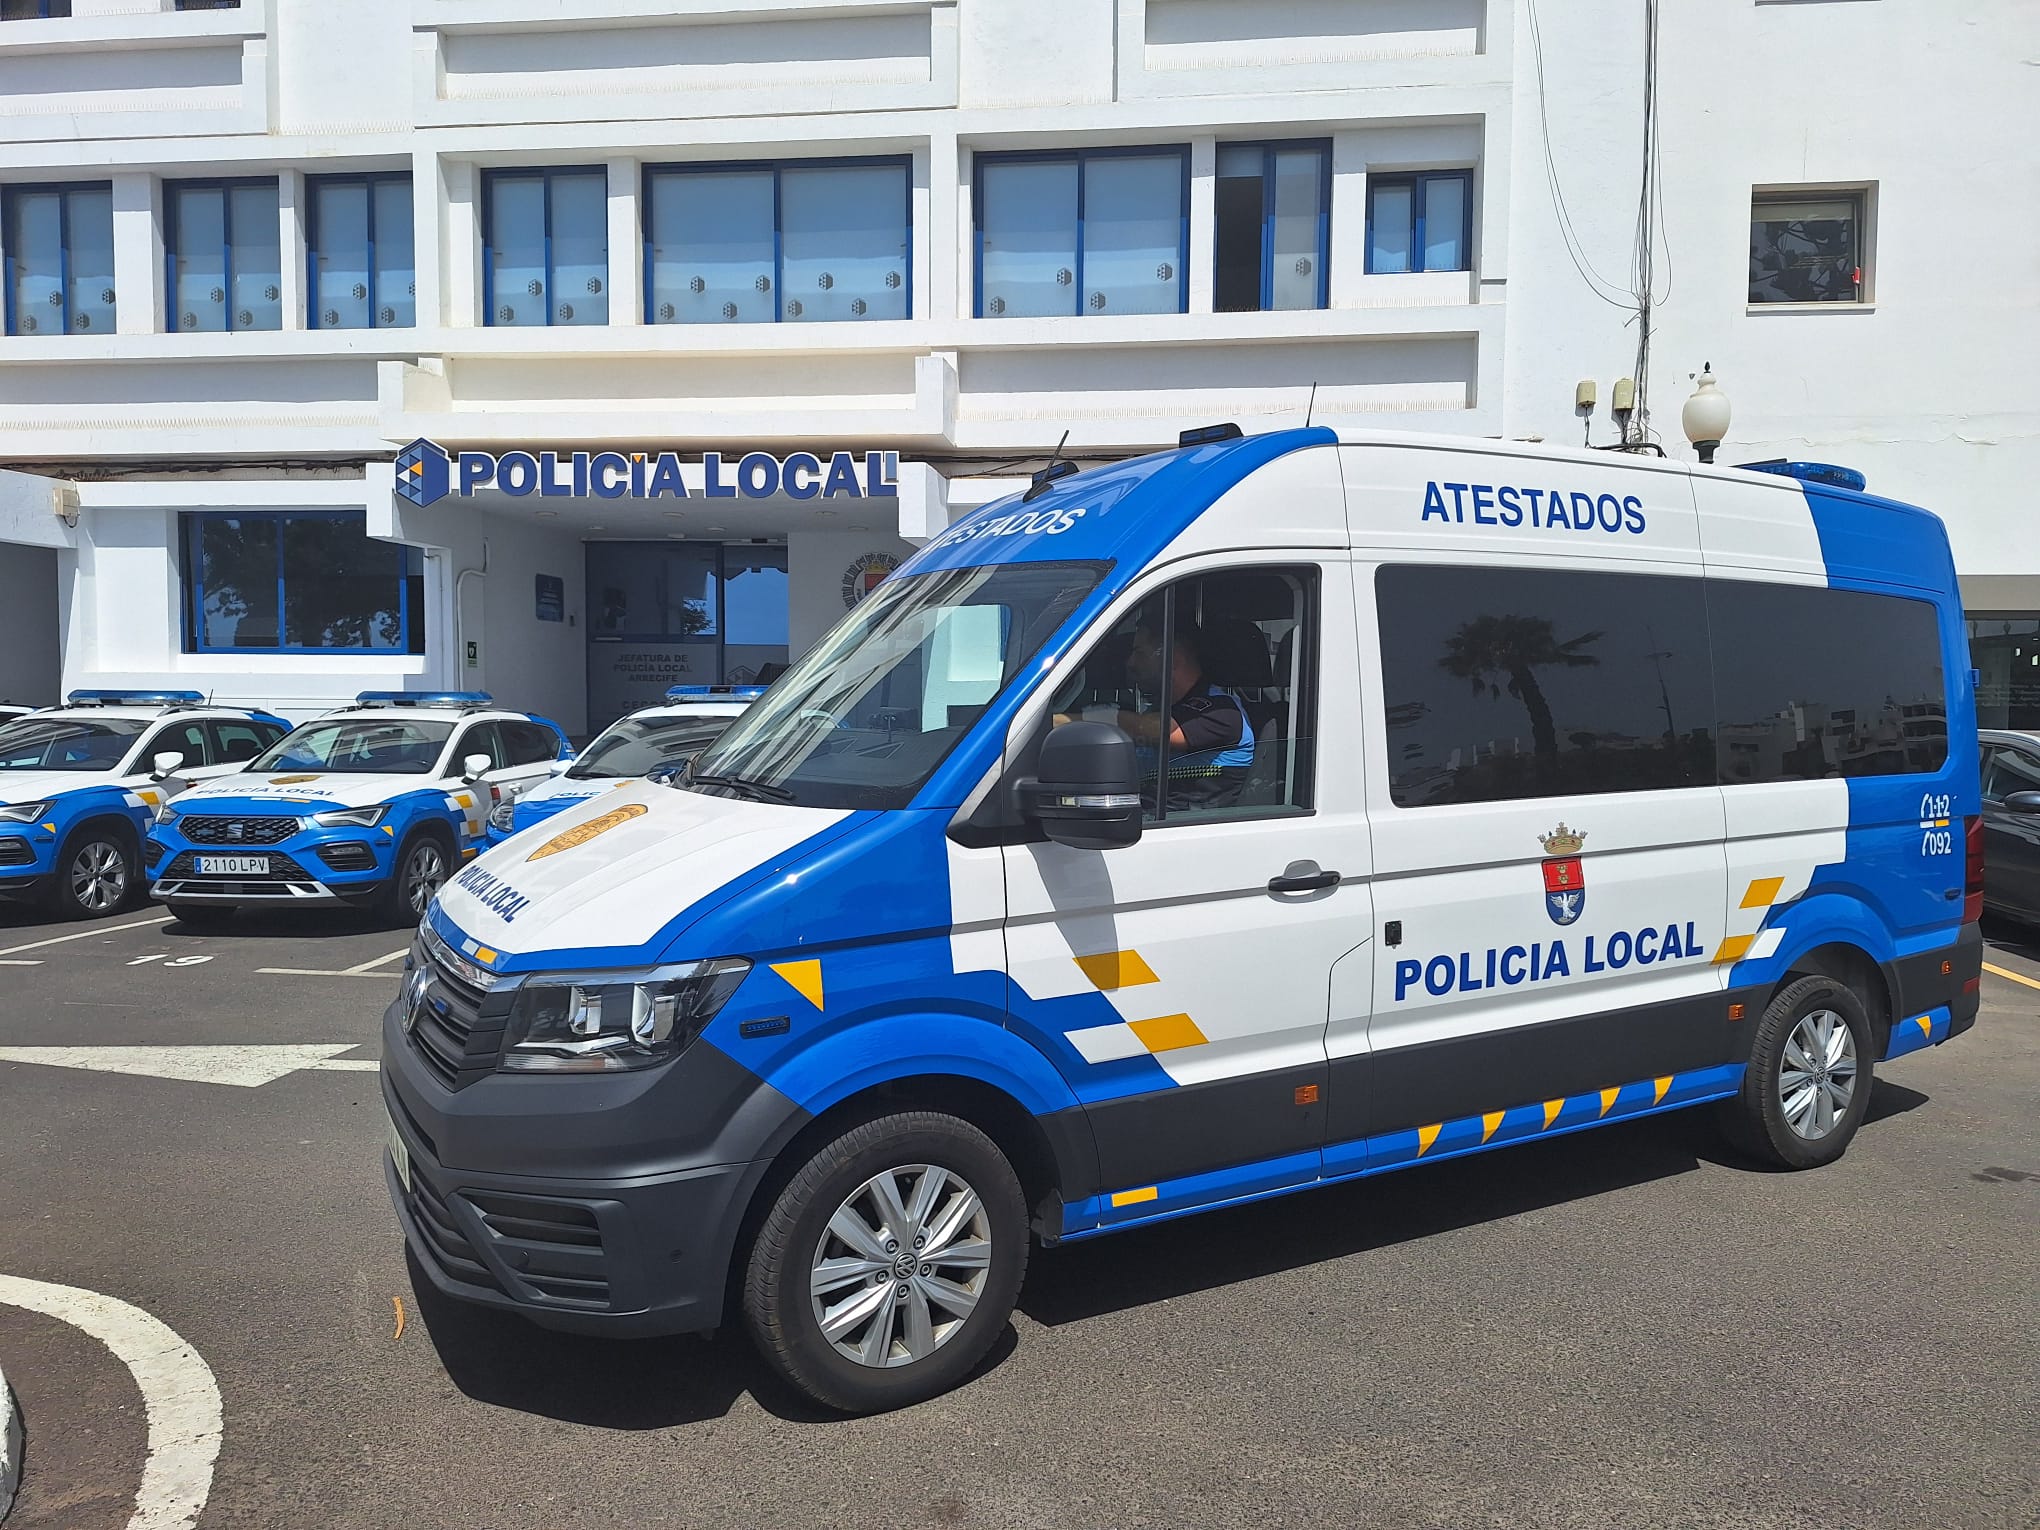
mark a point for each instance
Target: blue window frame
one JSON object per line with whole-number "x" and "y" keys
{"x": 1420, "y": 222}
{"x": 1272, "y": 215}
{"x": 208, "y": 5}
{"x": 223, "y": 255}
{"x": 800, "y": 241}
{"x": 359, "y": 263}
{"x": 59, "y": 244}
{"x": 298, "y": 581}
{"x": 547, "y": 256}
{"x": 1086, "y": 231}
{"x": 33, "y": 10}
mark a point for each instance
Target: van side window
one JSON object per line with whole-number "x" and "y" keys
{"x": 1812, "y": 682}
{"x": 1236, "y": 652}
{"x": 1510, "y": 683}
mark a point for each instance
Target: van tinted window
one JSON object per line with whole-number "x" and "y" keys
{"x": 1813, "y": 682}
{"x": 1505, "y": 683}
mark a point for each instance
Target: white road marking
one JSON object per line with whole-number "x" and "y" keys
{"x": 103, "y": 929}
{"x": 244, "y": 1067}
{"x": 28, "y": 963}
{"x": 363, "y": 969}
{"x": 179, "y": 1394}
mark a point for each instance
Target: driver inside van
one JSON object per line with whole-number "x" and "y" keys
{"x": 1211, "y": 737}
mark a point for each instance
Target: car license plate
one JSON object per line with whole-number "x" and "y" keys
{"x": 233, "y": 865}
{"x": 399, "y": 1154}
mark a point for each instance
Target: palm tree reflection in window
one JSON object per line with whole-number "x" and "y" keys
{"x": 1504, "y": 653}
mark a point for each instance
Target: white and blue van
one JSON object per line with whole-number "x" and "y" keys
{"x": 372, "y": 805}
{"x": 79, "y": 782}
{"x": 1212, "y": 826}
{"x": 649, "y": 741}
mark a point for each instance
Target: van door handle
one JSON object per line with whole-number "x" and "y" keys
{"x": 1303, "y": 876}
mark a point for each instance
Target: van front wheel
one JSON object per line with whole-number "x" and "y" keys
{"x": 889, "y": 1263}
{"x": 1808, "y": 1083}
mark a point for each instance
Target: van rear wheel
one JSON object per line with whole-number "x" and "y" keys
{"x": 889, "y": 1263}
{"x": 1807, "y": 1086}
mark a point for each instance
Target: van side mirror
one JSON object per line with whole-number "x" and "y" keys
{"x": 473, "y": 767}
{"x": 2023, "y": 802}
{"x": 165, "y": 764}
{"x": 1086, "y": 790}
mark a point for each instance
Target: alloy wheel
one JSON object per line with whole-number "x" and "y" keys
{"x": 901, "y": 1266}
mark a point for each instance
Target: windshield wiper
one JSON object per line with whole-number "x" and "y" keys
{"x": 758, "y": 791}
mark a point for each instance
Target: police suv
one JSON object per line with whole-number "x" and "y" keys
{"x": 1212, "y": 826}
{"x": 651, "y": 739}
{"x": 79, "y": 782}
{"x": 373, "y": 804}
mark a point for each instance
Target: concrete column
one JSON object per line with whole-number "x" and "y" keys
{"x": 428, "y": 235}
{"x": 293, "y": 210}
{"x": 626, "y": 245}
{"x": 1349, "y": 218}
{"x": 942, "y": 280}
{"x": 461, "y": 261}
{"x": 1203, "y": 223}
{"x": 138, "y": 254}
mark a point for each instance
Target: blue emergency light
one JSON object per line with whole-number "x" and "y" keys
{"x": 718, "y": 692}
{"x": 134, "y": 698}
{"x": 424, "y": 699}
{"x": 1810, "y": 472}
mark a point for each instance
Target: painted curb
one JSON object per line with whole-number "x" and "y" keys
{"x": 10, "y": 1447}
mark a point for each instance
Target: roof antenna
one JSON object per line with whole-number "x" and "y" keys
{"x": 1057, "y": 468}
{"x": 1310, "y": 408}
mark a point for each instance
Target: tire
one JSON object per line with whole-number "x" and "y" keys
{"x": 1809, "y": 1078}
{"x": 202, "y": 916}
{"x": 950, "y": 1308}
{"x": 95, "y": 873}
{"x": 424, "y": 862}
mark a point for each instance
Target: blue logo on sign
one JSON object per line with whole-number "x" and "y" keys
{"x": 424, "y": 473}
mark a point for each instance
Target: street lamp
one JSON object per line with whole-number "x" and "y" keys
{"x": 1705, "y": 416}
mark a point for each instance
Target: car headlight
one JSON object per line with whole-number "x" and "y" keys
{"x": 500, "y": 815}
{"x": 23, "y": 812}
{"x": 166, "y": 812}
{"x": 609, "y": 1022}
{"x": 351, "y": 818}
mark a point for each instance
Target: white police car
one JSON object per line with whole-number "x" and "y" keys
{"x": 374, "y": 804}
{"x": 78, "y": 783}
{"x": 651, "y": 739}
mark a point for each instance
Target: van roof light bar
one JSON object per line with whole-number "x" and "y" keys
{"x": 714, "y": 692}
{"x": 1809, "y": 472}
{"x": 1205, "y": 435}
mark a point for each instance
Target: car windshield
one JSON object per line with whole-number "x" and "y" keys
{"x": 359, "y": 746}
{"x": 639, "y": 744}
{"x": 51, "y": 743}
{"x": 866, "y": 717}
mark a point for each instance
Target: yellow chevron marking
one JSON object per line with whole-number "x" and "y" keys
{"x": 1117, "y": 969}
{"x": 1926, "y": 1025}
{"x": 1608, "y": 1100}
{"x": 1732, "y": 948}
{"x": 1167, "y": 1033}
{"x": 1426, "y": 1135}
{"x": 1663, "y": 1086}
{"x": 1763, "y": 892}
{"x": 51, "y": 827}
{"x": 1551, "y": 1110}
{"x": 1489, "y": 1122}
{"x": 1134, "y": 1197}
{"x": 805, "y": 977}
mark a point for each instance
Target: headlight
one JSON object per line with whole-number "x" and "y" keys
{"x": 165, "y": 812}
{"x": 23, "y": 812}
{"x": 500, "y": 815}
{"x": 351, "y": 818}
{"x": 607, "y": 1022}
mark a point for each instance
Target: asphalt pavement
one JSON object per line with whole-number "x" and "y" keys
{"x": 1625, "y": 1327}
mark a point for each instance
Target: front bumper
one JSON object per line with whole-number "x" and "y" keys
{"x": 298, "y": 868}
{"x": 28, "y": 856}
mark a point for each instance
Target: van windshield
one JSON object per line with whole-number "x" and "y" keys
{"x": 866, "y": 717}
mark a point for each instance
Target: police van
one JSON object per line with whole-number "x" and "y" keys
{"x": 1212, "y": 826}
{"x": 79, "y": 782}
{"x": 374, "y": 804}
{"x": 649, "y": 740}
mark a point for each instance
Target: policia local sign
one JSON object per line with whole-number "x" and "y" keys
{"x": 428, "y": 473}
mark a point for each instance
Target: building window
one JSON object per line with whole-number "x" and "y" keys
{"x": 225, "y": 255}
{"x": 799, "y": 242}
{"x": 1807, "y": 247}
{"x": 298, "y": 582}
{"x": 1103, "y": 231}
{"x": 33, "y": 10}
{"x": 688, "y": 613}
{"x": 59, "y": 243}
{"x": 2005, "y": 650}
{"x": 548, "y": 253}
{"x": 1272, "y": 208}
{"x": 1420, "y": 222}
{"x": 360, "y": 265}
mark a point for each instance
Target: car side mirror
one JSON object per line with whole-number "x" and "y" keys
{"x": 560, "y": 767}
{"x": 165, "y": 764}
{"x": 474, "y": 767}
{"x": 667, "y": 772}
{"x": 2023, "y": 802}
{"x": 1086, "y": 788}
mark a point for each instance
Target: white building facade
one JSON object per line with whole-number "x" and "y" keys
{"x": 700, "y": 313}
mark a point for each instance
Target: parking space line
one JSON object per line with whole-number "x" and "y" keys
{"x": 107, "y": 929}
{"x": 361, "y": 969}
{"x": 28, "y": 963}
{"x": 2016, "y": 977}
